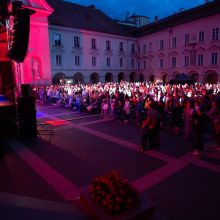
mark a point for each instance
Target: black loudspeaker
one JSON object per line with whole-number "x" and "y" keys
{"x": 19, "y": 32}
{"x": 26, "y": 116}
{"x": 25, "y": 90}
{"x": 3, "y": 10}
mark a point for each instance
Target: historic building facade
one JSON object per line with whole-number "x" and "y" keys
{"x": 82, "y": 44}
{"x": 88, "y": 56}
{"x": 187, "y": 42}
{"x": 90, "y": 47}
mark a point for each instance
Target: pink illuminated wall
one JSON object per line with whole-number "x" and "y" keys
{"x": 36, "y": 68}
{"x": 3, "y": 45}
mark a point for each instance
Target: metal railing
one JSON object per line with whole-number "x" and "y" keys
{"x": 43, "y": 130}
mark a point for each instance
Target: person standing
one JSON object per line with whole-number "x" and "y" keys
{"x": 176, "y": 117}
{"x": 144, "y": 128}
{"x": 151, "y": 124}
{"x": 216, "y": 125}
{"x": 188, "y": 113}
{"x": 199, "y": 123}
{"x": 126, "y": 109}
{"x": 212, "y": 114}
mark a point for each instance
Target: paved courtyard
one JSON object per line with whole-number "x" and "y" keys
{"x": 42, "y": 178}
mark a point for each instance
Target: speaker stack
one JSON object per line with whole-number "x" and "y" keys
{"x": 26, "y": 113}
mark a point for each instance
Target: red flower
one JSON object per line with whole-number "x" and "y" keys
{"x": 114, "y": 192}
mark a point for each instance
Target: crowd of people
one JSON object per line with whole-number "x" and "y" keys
{"x": 153, "y": 106}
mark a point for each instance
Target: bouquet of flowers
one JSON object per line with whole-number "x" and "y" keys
{"x": 114, "y": 192}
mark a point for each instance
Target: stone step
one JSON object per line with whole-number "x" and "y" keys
{"x": 22, "y": 207}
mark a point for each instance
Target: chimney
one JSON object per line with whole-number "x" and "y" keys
{"x": 156, "y": 19}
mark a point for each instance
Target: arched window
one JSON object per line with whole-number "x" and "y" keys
{"x": 58, "y": 77}
{"x": 132, "y": 77}
{"x": 211, "y": 77}
{"x": 141, "y": 78}
{"x": 121, "y": 77}
{"x": 94, "y": 78}
{"x": 78, "y": 78}
{"x": 108, "y": 77}
{"x": 194, "y": 77}
{"x": 164, "y": 78}
{"x": 152, "y": 78}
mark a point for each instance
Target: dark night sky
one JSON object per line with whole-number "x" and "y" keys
{"x": 118, "y": 8}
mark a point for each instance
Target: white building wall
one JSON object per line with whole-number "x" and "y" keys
{"x": 193, "y": 28}
{"x": 85, "y": 52}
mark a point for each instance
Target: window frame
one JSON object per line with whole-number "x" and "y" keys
{"x": 173, "y": 62}
{"x": 201, "y": 37}
{"x": 93, "y": 43}
{"x": 77, "y": 60}
{"x": 214, "y": 58}
{"x": 215, "y": 34}
{"x": 58, "y": 59}
{"x": 57, "y": 42}
{"x": 76, "y": 40}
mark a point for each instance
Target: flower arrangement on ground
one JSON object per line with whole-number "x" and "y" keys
{"x": 114, "y": 192}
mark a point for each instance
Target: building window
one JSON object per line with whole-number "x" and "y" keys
{"x": 150, "y": 47}
{"x": 93, "y": 42}
{"x": 94, "y": 61}
{"x": 139, "y": 65}
{"x": 161, "y": 44}
{"x": 108, "y": 61}
{"x": 145, "y": 64}
{"x": 214, "y": 58}
{"x": 76, "y": 42}
{"x": 215, "y": 33}
{"x": 77, "y": 60}
{"x": 121, "y": 62}
{"x": 58, "y": 60}
{"x": 57, "y": 39}
{"x": 150, "y": 64}
{"x": 132, "y": 48}
{"x": 121, "y": 46}
{"x": 132, "y": 63}
{"x": 201, "y": 36}
{"x": 161, "y": 63}
{"x": 139, "y": 49}
{"x": 186, "y": 61}
{"x": 173, "y": 61}
{"x": 193, "y": 57}
{"x": 174, "y": 42}
{"x": 108, "y": 45}
{"x": 144, "y": 48}
{"x": 186, "y": 39}
{"x": 200, "y": 59}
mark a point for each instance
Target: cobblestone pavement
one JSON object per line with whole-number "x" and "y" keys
{"x": 180, "y": 184}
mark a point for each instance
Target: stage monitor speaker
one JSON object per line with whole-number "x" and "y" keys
{"x": 26, "y": 116}
{"x": 25, "y": 90}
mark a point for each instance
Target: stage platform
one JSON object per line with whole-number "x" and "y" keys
{"x": 4, "y": 102}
